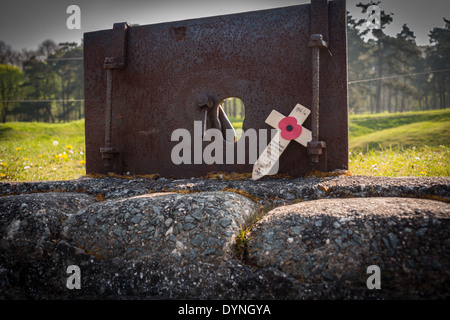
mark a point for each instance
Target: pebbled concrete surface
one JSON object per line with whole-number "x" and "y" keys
{"x": 314, "y": 240}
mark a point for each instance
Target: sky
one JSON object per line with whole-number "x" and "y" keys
{"x": 24, "y": 24}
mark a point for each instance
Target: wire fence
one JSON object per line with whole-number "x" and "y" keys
{"x": 349, "y": 82}
{"x": 398, "y": 76}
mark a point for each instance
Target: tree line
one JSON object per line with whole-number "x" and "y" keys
{"x": 42, "y": 85}
{"x": 386, "y": 73}
{"x": 234, "y": 108}
{"x": 406, "y": 76}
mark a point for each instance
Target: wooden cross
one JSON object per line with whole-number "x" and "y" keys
{"x": 289, "y": 128}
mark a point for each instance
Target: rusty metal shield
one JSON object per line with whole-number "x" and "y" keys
{"x": 144, "y": 82}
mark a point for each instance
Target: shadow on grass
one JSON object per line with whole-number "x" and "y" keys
{"x": 4, "y": 131}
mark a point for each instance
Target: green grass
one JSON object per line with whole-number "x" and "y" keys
{"x": 407, "y": 144}
{"x": 361, "y": 125}
{"x": 432, "y": 134}
{"x": 402, "y": 144}
{"x": 42, "y": 151}
{"x": 401, "y": 162}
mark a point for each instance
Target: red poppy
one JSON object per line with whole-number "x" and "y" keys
{"x": 290, "y": 129}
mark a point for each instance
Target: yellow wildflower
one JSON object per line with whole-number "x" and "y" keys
{"x": 40, "y": 156}
{"x": 18, "y": 148}
{"x": 61, "y": 156}
{"x": 83, "y": 161}
{"x": 3, "y": 164}
{"x": 69, "y": 146}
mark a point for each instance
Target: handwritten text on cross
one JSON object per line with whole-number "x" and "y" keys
{"x": 289, "y": 128}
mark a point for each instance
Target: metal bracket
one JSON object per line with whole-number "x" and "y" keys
{"x": 205, "y": 103}
{"x": 117, "y": 61}
{"x": 319, "y": 28}
{"x": 319, "y": 18}
{"x": 119, "y": 58}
